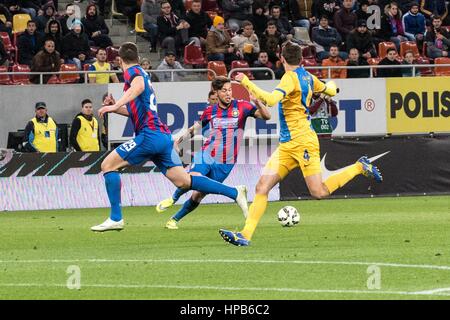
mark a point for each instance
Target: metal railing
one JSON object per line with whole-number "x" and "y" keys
{"x": 371, "y": 68}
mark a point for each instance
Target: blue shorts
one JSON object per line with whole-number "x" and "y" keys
{"x": 156, "y": 147}
{"x": 208, "y": 167}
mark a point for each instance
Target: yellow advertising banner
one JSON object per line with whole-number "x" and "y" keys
{"x": 417, "y": 105}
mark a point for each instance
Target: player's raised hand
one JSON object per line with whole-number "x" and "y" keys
{"x": 106, "y": 109}
{"x": 239, "y": 77}
{"x": 109, "y": 100}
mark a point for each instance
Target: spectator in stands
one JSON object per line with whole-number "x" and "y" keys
{"x": 173, "y": 31}
{"x": 326, "y": 8}
{"x": 271, "y": 41}
{"x": 362, "y": 13}
{"x": 28, "y": 44}
{"x": 84, "y": 132}
{"x": 199, "y": 22}
{"x": 41, "y": 132}
{"x": 101, "y": 65}
{"x": 282, "y": 23}
{"x": 389, "y": 60}
{"x": 53, "y": 32}
{"x": 170, "y": 63}
{"x": 334, "y": 60}
{"x": 259, "y": 19}
{"x": 46, "y": 60}
{"x": 178, "y": 8}
{"x": 147, "y": 66}
{"x": 66, "y": 20}
{"x": 345, "y": 19}
{"x": 6, "y": 26}
{"x": 19, "y": 6}
{"x": 129, "y": 8}
{"x": 391, "y": 25}
{"x": 263, "y": 61}
{"x": 96, "y": 28}
{"x": 301, "y": 13}
{"x": 247, "y": 43}
{"x": 408, "y": 59}
{"x": 151, "y": 9}
{"x": 354, "y": 59}
{"x": 212, "y": 98}
{"x": 218, "y": 43}
{"x": 236, "y": 12}
{"x": 437, "y": 39}
{"x": 49, "y": 14}
{"x": 3, "y": 55}
{"x": 361, "y": 39}
{"x": 414, "y": 23}
{"x": 76, "y": 48}
{"x": 115, "y": 65}
{"x": 434, "y": 8}
{"x": 323, "y": 37}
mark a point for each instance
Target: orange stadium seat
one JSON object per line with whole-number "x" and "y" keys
{"x": 54, "y": 80}
{"x": 218, "y": 67}
{"x": 374, "y": 62}
{"x": 425, "y": 71}
{"x": 111, "y": 53}
{"x": 70, "y": 77}
{"x": 19, "y": 78}
{"x": 241, "y": 64}
{"x": 440, "y": 70}
{"x": 4, "y": 78}
{"x": 10, "y": 49}
{"x": 188, "y": 4}
{"x": 409, "y": 45}
{"x": 193, "y": 55}
{"x": 383, "y": 47}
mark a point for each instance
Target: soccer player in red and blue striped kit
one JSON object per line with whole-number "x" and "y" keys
{"x": 152, "y": 141}
{"x": 223, "y": 126}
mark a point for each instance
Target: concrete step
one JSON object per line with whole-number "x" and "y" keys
{"x": 118, "y": 40}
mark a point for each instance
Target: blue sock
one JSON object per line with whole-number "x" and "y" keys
{"x": 206, "y": 185}
{"x": 188, "y": 206}
{"x": 113, "y": 187}
{"x": 178, "y": 193}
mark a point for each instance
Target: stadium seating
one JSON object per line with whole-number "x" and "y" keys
{"x": 383, "y": 47}
{"x": 69, "y": 77}
{"x": 218, "y": 67}
{"x": 139, "y": 23}
{"x": 302, "y": 34}
{"x": 2, "y": 18}
{"x": 308, "y": 52}
{"x": 10, "y": 49}
{"x": 425, "y": 71}
{"x": 374, "y": 62}
{"x": 188, "y": 4}
{"x": 210, "y": 5}
{"x": 440, "y": 70}
{"x": 18, "y": 77}
{"x": 54, "y": 80}
{"x": 241, "y": 64}
{"x": 309, "y": 62}
{"x": 20, "y": 22}
{"x": 111, "y": 53}
{"x": 4, "y": 78}
{"x": 409, "y": 45}
{"x": 193, "y": 55}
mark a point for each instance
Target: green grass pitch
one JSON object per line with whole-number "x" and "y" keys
{"x": 380, "y": 248}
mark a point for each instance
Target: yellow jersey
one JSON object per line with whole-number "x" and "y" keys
{"x": 100, "y": 78}
{"x": 293, "y": 96}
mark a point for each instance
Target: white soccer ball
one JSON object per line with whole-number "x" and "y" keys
{"x": 288, "y": 216}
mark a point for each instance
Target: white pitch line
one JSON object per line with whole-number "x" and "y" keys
{"x": 296, "y": 290}
{"x": 382, "y": 264}
{"x": 433, "y": 291}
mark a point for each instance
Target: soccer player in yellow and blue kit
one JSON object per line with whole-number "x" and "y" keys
{"x": 299, "y": 145}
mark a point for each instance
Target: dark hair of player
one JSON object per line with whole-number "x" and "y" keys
{"x": 292, "y": 53}
{"x": 128, "y": 52}
{"x": 218, "y": 83}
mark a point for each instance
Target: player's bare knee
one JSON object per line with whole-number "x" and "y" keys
{"x": 261, "y": 188}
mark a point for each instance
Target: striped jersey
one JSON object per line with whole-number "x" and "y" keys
{"x": 142, "y": 109}
{"x": 224, "y": 129}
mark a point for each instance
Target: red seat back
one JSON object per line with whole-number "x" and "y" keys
{"x": 219, "y": 67}
{"x": 409, "y": 46}
{"x": 372, "y": 62}
{"x": 241, "y": 64}
{"x": 442, "y": 71}
{"x": 193, "y": 55}
{"x": 111, "y": 53}
{"x": 210, "y": 5}
{"x": 19, "y": 78}
{"x": 4, "y": 78}
{"x": 69, "y": 77}
{"x": 383, "y": 47}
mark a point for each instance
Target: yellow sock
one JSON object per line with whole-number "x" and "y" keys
{"x": 256, "y": 211}
{"x": 338, "y": 180}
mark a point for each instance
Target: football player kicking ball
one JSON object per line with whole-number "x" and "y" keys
{"x": 152, "y": 141}
{"x": 299, "y": 145}
{"x": 223, "y": 123}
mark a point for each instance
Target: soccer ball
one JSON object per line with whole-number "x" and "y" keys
{"x": 288, "y": 216}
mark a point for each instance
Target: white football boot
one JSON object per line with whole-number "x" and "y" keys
{"x": 109, "y": 225}
{"x": 241, "y": 199}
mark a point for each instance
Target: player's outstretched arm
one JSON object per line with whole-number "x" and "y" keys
{"x": 263, "y": 111}
{"x": 268, "y": 98}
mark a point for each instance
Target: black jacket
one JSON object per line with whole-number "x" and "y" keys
{"x": 94, "y": 24}
{"x": 358, "y": 73}
{"x": 200, "y": 23}
{"x": 28, "y": 46}
{"x": 76, "y": 125}
{"x": 165, "y": 28}
{"x": 3, "y": 54}
{"x": 74, "y": 44}
{"x": 363, "y": 42}
{"x": 389, "y": 72}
